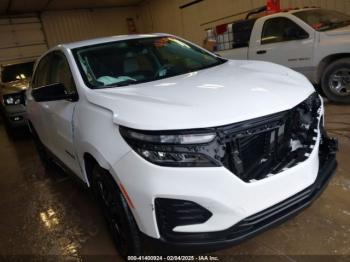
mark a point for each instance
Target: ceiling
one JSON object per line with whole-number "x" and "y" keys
{"x": 12, "y": 7}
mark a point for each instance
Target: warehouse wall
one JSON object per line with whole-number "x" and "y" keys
{"x": 191, "y": 22}
{"x": 21, "y": 39}
{"x": 74, "y": 25}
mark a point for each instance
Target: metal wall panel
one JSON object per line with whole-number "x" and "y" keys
{"x": 340, "y": 5}
{"x": 75, "y": 25}
{"x": 21, "y": 39}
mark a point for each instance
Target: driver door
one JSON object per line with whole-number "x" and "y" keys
{"x": 60, "y": 124}
{"x": 285, "y": 42}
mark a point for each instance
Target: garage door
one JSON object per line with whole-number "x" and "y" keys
{"x": 21, "y": 39}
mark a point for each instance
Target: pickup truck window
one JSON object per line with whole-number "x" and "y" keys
{"x": 281, "y": 29}
{"x": 323, "y": 20}
{"x": 242, "y": 31}
{"x": 142, "y": 60}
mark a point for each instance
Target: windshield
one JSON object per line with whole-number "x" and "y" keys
{"x": 323, "y": 20}
{"x": 140, "y": 60}
{"x": 17, "y": 72}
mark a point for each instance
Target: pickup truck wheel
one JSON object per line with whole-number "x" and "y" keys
{"x": 336, "y": 81}
{"x": 117, "y": 213}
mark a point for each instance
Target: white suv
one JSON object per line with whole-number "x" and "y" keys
{"x": 180, "y": 146}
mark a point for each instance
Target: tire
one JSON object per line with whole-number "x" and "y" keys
{"x": 335, "y": 81}
{"x": 119, "y": 218}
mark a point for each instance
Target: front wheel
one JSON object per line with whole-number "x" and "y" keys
{"x": 336, "y": 81}
{"x": 119, "y": 218}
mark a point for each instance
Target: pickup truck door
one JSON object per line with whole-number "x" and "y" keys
{"x": 283, "y": 40}
{"x": 59, "y": 114}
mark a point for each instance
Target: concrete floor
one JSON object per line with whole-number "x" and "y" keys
{"x": 48, "y": 213}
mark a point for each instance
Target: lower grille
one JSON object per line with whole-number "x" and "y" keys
{"x": 172, "y": 213}
{"x": 245, "y": 227}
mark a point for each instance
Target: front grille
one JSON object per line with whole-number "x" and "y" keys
{"x": 266, "y": 146}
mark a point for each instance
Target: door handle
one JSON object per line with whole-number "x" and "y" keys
{"x": 261, "y": 52}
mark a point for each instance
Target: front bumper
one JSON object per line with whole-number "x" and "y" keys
{"x": 14, "y": 115}
{"x": 263, "y": 220}
{"x": 230, "y": 200}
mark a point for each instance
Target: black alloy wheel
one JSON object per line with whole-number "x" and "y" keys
{"x": 118, "y": 215}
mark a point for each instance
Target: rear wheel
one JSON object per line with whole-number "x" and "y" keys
{"x": 336, "y": 81}
{"x": 117, "y": 213}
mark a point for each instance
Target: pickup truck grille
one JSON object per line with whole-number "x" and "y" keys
{"x": 266, "y": 146}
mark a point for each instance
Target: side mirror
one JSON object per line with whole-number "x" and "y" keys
{"x": 52, "y": 92}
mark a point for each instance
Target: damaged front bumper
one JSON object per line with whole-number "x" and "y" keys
{"x": 259, "y": 222}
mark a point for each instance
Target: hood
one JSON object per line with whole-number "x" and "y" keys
{"x": 232, "y": 92}
{"x": 14, "y": 86}
{"x": 339, "y": 31}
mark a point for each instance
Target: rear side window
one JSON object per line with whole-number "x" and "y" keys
{"x": 233, "y": 35}
{"x": 281, "y": 29}
{"x": 242, "y": 32}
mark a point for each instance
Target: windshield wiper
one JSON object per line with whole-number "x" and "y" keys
{"x": 123, "y": 83}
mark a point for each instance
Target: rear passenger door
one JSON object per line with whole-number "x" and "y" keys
{"x": 284, "y": 41}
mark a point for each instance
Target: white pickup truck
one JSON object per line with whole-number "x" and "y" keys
{"x": 312, "y": 41}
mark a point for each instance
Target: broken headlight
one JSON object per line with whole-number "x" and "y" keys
{"x": 169, "y": 148}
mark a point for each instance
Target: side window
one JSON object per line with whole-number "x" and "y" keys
{"x": 242, "y": 32}
{"x": 41, "y": 73}
{"x": 281, "y": 29}
{"x": 60, "y": 72}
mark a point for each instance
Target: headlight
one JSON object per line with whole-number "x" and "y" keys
{"x": 13, "y": 99}
{"x": 184, "y": 139}
{"x": 171, "y": 149}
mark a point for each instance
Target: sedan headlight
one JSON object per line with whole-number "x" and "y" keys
{"x": 13, "y": 99}
{"x": 171, "y": 148}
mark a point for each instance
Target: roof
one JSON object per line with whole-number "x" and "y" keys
{"x": 282, "y": 11}
{"x": 109, "y": 39}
